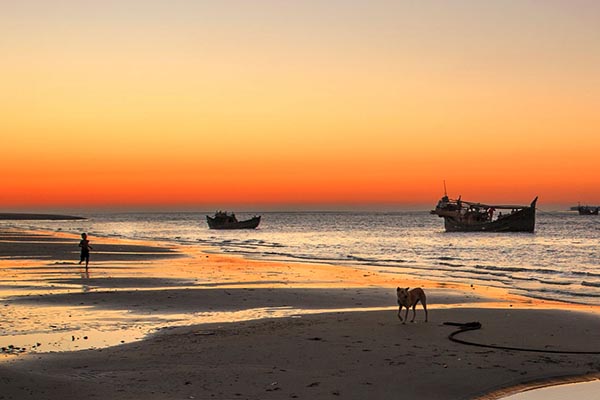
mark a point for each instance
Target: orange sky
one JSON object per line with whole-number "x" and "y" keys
{"x": 269, "y": 103}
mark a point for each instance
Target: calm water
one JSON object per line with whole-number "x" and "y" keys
{"x": 559, "y": 261}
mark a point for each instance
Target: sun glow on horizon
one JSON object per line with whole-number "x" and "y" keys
{"x": 136, "y": 103}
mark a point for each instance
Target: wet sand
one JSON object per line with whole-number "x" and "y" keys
{"x": 235, "y": 328}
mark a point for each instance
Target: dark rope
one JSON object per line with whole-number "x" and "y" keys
{"x": 471, "y": 326}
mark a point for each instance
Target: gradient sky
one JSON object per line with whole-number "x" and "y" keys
{"x": 190, "y": 103}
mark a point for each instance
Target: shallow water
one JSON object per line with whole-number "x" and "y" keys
{"x": 559, "y": 261}
{"x": 55, "y": 328}
{"x": 579, "y": 391}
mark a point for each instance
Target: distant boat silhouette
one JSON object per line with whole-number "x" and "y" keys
{"x": 466, "y": 216}
{"x": 223, "y": 220}
{"x": 586, "y": 210}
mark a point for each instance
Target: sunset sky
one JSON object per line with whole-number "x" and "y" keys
{"x": 301, "y": 104}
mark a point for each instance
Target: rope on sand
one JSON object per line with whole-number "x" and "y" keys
{"x": 471, "y": 326}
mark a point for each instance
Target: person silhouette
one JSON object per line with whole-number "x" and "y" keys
{"x": 85, "y": 250}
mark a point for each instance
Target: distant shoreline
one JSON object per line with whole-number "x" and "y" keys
{"x": 28, "y": 216}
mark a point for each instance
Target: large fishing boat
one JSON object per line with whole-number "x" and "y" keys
{"x": 223, "y": 220}
{"x": 467, "y": 216}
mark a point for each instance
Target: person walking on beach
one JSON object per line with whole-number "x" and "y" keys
{"x": 85, "y": 250}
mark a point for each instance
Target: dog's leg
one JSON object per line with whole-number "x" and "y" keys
{"x": 414, "y": 312}
{"x": 406, "y": 315}
{"x": 424, "y": 304}
{"x": 400, "y": 313}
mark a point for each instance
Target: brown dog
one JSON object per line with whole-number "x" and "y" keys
{"x": 410, "y": 298}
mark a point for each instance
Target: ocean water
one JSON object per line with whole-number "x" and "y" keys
{"x": 559, "y": 261}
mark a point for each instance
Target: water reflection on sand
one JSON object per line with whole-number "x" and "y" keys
{"x": 50, "y": 306}
{"x": 83, "y": 328}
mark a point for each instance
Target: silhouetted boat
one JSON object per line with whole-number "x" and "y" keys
{"x": 586, "y": 210}
{"x": 223, "y": 220}
{"x": 466, "y": 216}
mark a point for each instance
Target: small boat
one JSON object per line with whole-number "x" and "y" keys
{"x": 466, "y": 216}
{"x": 586, "y": 210}
{"x": 223, "y": 220}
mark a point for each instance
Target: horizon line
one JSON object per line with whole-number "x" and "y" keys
{"x": 246, "y": 208}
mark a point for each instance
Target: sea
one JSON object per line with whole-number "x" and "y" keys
{"x": 560, "y": 261}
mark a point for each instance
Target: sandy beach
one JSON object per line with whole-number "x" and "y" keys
{"x": 225, "y": 327}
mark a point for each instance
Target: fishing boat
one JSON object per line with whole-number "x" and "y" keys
{"x": 586, "y": 210}
{"x": 223, "y": 220}
{"x": 467, "y": 216}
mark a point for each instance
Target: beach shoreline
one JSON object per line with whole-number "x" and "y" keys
{"x": 267, "y": 321}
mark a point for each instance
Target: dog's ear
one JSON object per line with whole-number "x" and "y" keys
{"x": 407, "y": 289}
{"x": 397, "y": 289}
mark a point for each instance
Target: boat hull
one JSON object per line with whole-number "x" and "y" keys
{"x": 522, "y": 220}
{"x": 251, "y": 223}
{"x": 588, "y": 210}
